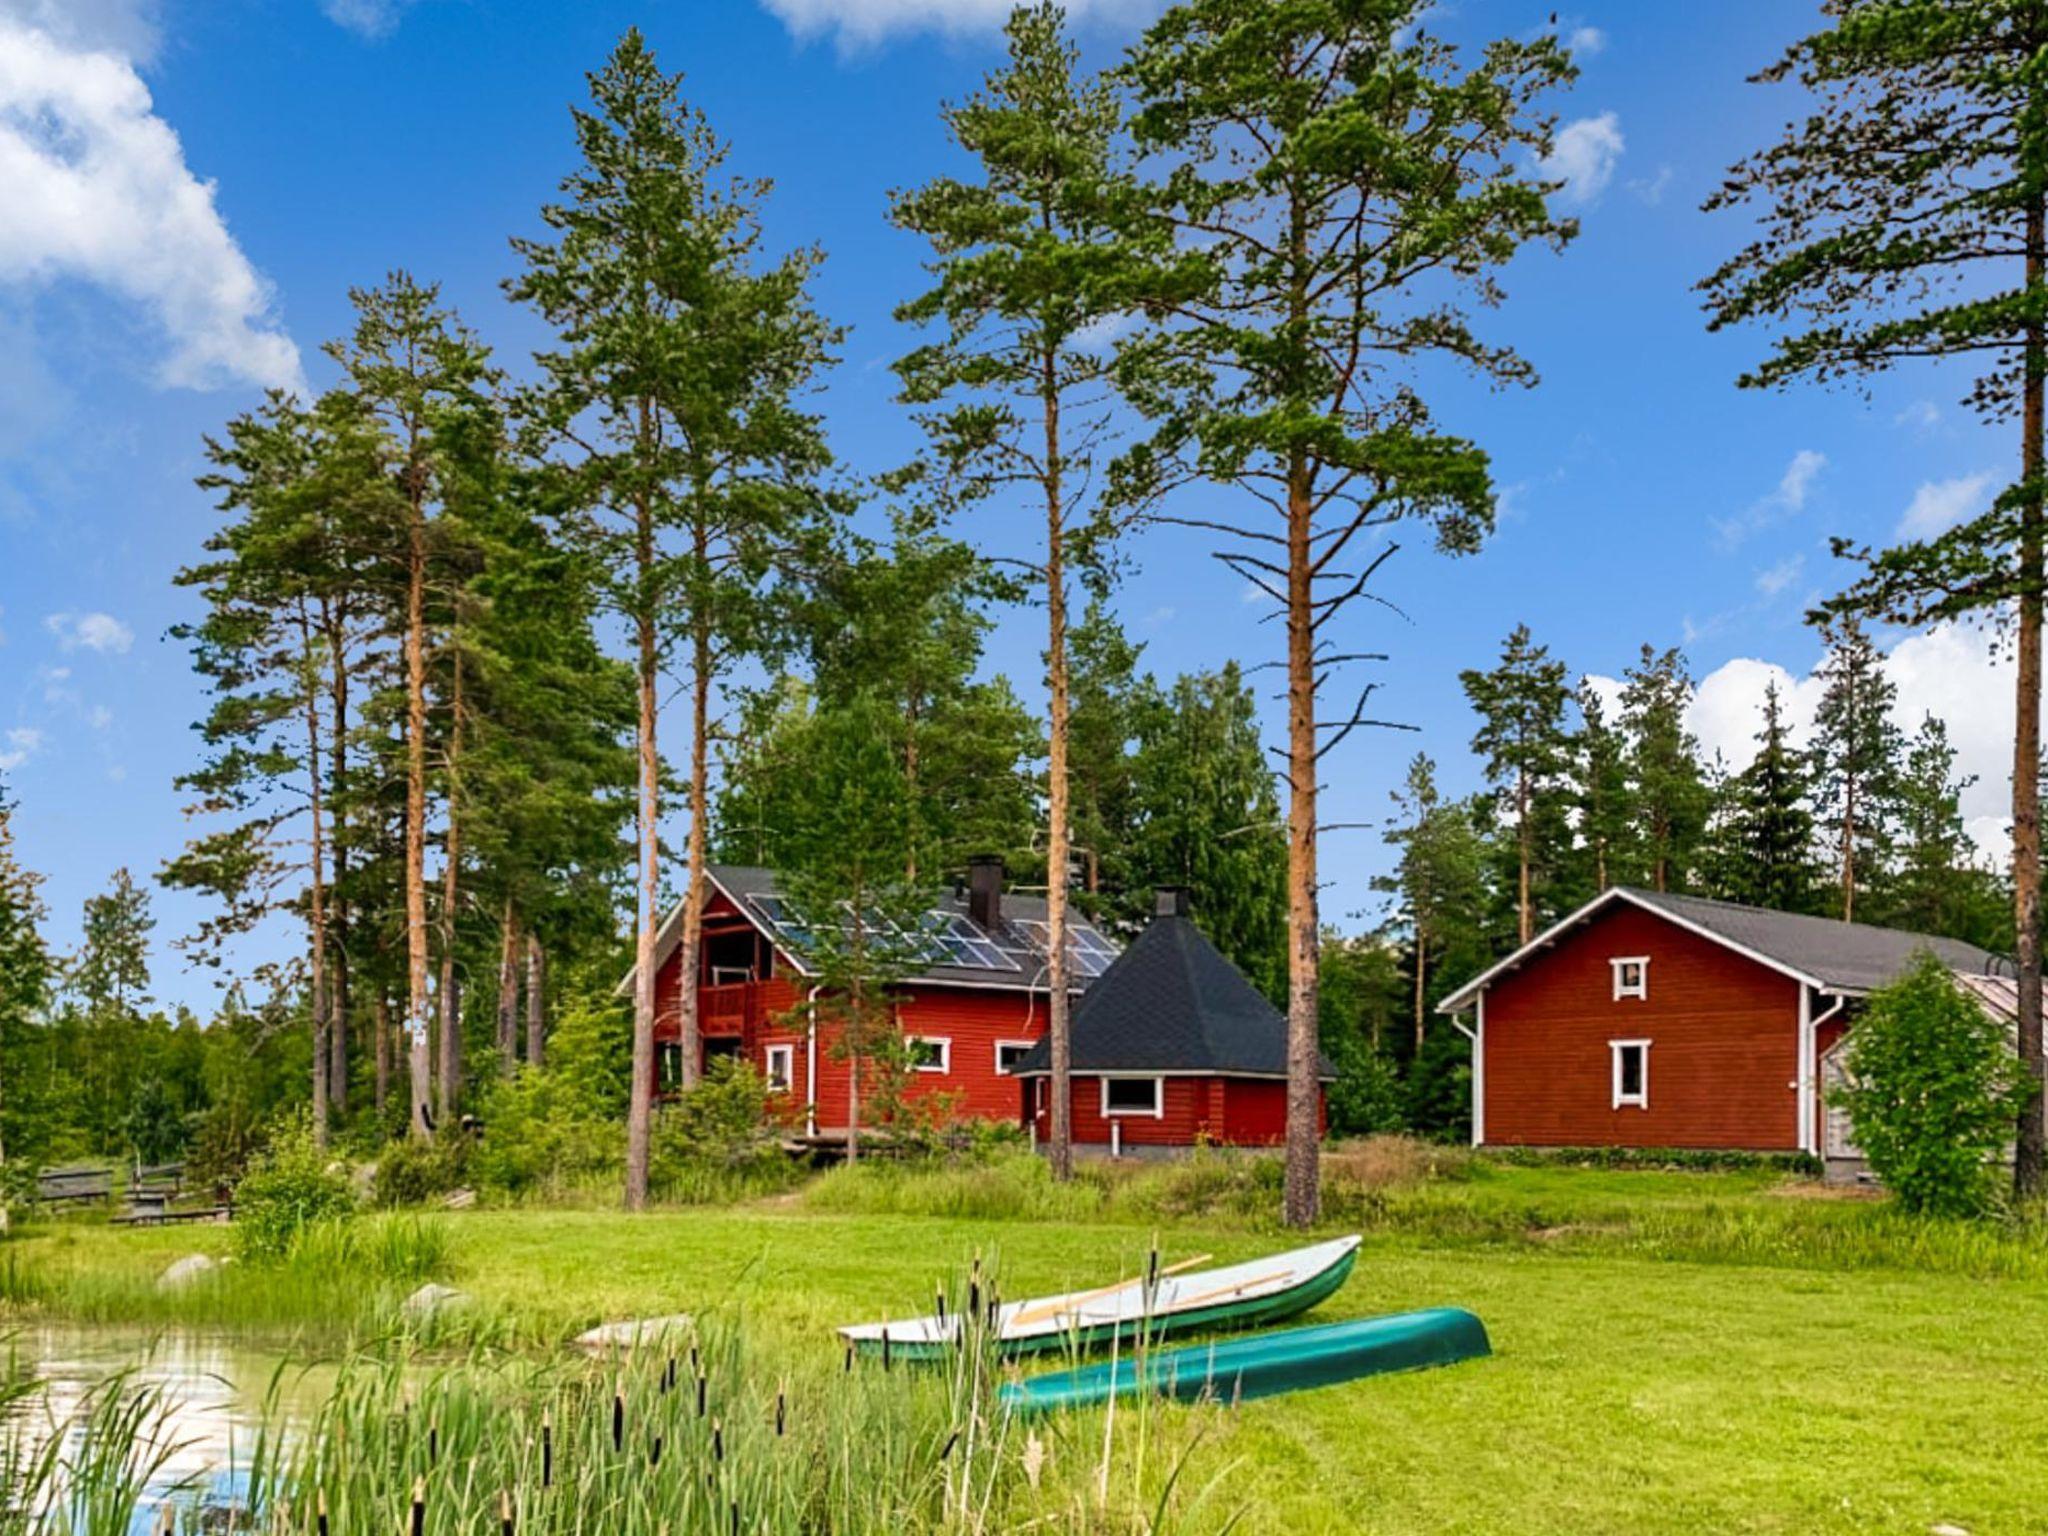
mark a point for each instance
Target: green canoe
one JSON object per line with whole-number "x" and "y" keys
{"x": 1265, "y": 1364}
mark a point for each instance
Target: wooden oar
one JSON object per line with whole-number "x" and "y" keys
{"x": 1044, "y": 1310}
{"x": 1226, "y": 1290}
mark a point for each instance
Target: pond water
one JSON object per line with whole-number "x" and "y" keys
{"x": 207, "y": 1395}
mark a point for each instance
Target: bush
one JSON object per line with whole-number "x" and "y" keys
{"x": 289, "y": 1187}
{"x": 721, "y": 1140}
{"x": 1932, "y": 1091}
{"x": 543, "y": 1133}
{"x": 412, "y": 1172}
{"x": 1368, "y": 1097}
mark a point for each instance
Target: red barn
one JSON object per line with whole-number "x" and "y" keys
{"x": 1651, "y": 1020}
{"x": 971, "y": 1013}
{"x": 1171, "y": 1047}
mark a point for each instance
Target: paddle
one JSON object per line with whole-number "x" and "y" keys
{"x": 1238, "y": 1289}
{"x": 1044, "y": 1310}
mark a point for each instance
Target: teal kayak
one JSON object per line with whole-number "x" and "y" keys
{"x": 1265, "y": 1364}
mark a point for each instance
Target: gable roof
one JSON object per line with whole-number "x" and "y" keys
{"x": 1011, "y": 958}
{"x": 1823, "y": 952}
{"x": 1173, "y": 1004}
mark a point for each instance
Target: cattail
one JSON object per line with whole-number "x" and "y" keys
{"x": 504, "y": 1513}
{"x": 781, "y": 1413}
{"x": 974, "y": 1288}
{"x": 849, "y": 1359}
{"x": 1152, "y": 1267}
{"x": 951, "y": 1441}
{"x": 735, "y": 1517}
{"x": 419, "y": 1507}
{"x": 885, "y": 1349}
{"x": 547, "y": 1449}
{"x": 320, "y": 1513}
{"x": 434, "y": 1442}
{"x": 618, "y": 1420}
{"x": 940, "y": 1294}
{"x": 717, "y": 1441}
{"x": 654, "y": 1455}
{"x": 703, "y": 1393}
{"x": 668, "y": 1376}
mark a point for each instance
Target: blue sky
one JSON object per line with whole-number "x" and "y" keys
{"x": 193, "y": 185}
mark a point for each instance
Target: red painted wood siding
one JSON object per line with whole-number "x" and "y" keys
{"x": 1724, "y": 1035}
{"x": 1236, "y": 1111}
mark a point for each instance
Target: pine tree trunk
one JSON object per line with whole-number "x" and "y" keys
{"x": 1058, "y": 1009}
{"x": 382, "y": 1025}
{"x": 318, "y": 913}
{"x": 337, "y": 779}
{"x": 2026, "y": 764}
{"x": 1849, "y": 828}
{"x": 640, "y": 1106}
{"x": 1302, "y": 1195}
{"x": 536, "y": 1002}
{"x": 1525, "y": 909}
{"x": 450, "y": 997}
{"x": 418, "y": 1013}
{"x": 691, "y": 949}
{"x": 1421, "y": 983}
{"x": 508, "y": 991}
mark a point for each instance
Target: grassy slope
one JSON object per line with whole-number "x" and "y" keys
{"x": 1629, "y": 1393}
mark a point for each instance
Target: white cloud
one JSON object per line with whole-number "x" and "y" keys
{"x": 1584, "y": 156}
{"x": 1585, "y": 41}
{"x": 1789, "y": 498}
{"x": 23, "y": 742}
{"x": 98, "y": 192}
{"x": 1941, "y": 504}
{"x": 864, "y": 23}
{"x": 100, "y": 717}
{"x": 1953, "y": 673}
{"x": 1650, "y": 190}
{"x": 1776, "y": 578}
{"x": 100, "y": 632}
{"x": 1159, "y": 617}
{"x": 365, "y": 18}
{"x": 1920, "y": 415}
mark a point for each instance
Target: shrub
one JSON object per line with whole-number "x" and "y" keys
{"x": 412, "y": 1172}
{"x": 1932, "y": 1092}
{"x": 290, "y": 1186}
{"x": 721, "y": 1139}
{"x": 543, "y": 1132}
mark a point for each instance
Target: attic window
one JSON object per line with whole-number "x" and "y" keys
{"x": 1631, "y": 977}
{"x": 1631, "y": 1073}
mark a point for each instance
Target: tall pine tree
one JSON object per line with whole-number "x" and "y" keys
{"x": 1521, "y": 740}
{"x": 1855, "y": 749}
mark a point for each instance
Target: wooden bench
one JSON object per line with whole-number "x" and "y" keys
{"x": 74, "y": 1186}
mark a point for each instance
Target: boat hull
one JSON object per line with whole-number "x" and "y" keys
{"x": 1290, "y": 1361}
{"x": 1226, "y": 1315}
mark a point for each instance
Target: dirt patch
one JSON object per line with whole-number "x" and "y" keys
{"x": 1814, "y": 1189}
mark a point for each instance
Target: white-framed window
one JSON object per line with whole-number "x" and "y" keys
{"x": 1631, "y": 976}
{"x": 1009, "y": 1053}
{"x": 1134, "y": 1096}
{"x": 1631, "y": 1073}
{"x": 781, "y": 1068}
{"x": 930, "y": 1053}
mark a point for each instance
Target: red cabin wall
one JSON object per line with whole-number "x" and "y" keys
{"x": 1723, "y": 1059}
{"x": 1234, "y": 1111}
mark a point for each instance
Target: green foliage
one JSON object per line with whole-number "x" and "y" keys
{"x": 1856, "y": 749}
{"x": 413, "y": 1171}
{"x": 1760, "y": 844}
{"x": 544, "y": 1133}
{"x": 1440, "y": 1086}
{"x": 290, "y": 1186}
{"x": 1522, "y": 743}
{"x": 721, "y": 1139}
{"x": 1931, "y": 1090}
{"x": 1667, "y": 784}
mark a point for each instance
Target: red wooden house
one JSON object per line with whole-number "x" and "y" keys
{"x": 1172, "y": 1047}
{"x": 1651, "y": 1020}
{"x": 970, "y": 1014}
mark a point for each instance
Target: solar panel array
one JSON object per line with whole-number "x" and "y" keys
{"x": 950, "y": 939}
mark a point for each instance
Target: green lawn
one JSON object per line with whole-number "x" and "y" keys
{"x": 1649, "y": 1376}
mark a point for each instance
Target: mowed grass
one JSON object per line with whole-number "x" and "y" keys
{"x": 1674, "y": 1352}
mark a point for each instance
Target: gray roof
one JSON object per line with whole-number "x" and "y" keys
{"x": 1835, "y": 956}
{"x": 1021, "y": 952}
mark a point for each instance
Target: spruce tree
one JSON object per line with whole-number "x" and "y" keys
{"x": 1934, "y": 885}
{"x": 1436, "y": 885}
{"x": 1855, "y": 752}
{"x": 1905, "y": 217}
{"x": 1608, "y": 831}
{"x": 1346, "y": 190}
{"x": 1765, "y": 840}
{"x": 1521, "y": 740}
{"x": 1665, "y": 778}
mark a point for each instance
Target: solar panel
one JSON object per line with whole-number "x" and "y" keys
{"x": 1088, "y": 952}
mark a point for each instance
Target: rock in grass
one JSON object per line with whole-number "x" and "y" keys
{"x": 192, "y": 1267}
{"x": 430, "y": 1300}
{"x": 459, "y": 1199}
{"x": 1946, "y": 1529}
{"x": 634, "y": 1332}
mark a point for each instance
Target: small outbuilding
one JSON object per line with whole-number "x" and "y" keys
{"x": 1172, "y": 1047}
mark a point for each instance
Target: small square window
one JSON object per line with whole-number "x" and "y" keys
{"x": 1009, "y": 1053}
{"x": 1631, "y": 1073}
{"x": 1133, "y": 1096}
{"x": 929, "y": 1053}
{"x": 1631, "y": 976}
{"x": 781, "y": 1067}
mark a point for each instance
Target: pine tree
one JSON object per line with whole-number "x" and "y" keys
{"x": 673, "y": 398}
{"x": 1608, "y": 830}
{"x": 1103, "y": 672}
{"x": 1934, "y": 886}
{"x": 1436, "y": 885}
{"x": 1906, "y": 217}
{"x": 1521, "y": 739}
{"x": 1343, "y": 189}
{"x": 1764, "y": 849}
{"x": 25, "y": 968}
{"x": 111, "y": 971}
{"x": 1855, "y": 760}
{"x": 1665, "y": 778}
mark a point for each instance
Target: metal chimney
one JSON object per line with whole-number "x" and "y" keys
{"x": 1170, "y": 901}
{"x": 985, "y": 890}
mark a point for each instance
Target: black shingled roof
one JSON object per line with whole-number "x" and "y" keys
{"x": 1172, "y": 1003}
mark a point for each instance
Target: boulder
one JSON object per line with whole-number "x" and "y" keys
{"x": 634, "y": 1332}
{"x": 193, "y": 1266}
{"x": 430, "y": 1300}
{"x": 459, "y": 1199}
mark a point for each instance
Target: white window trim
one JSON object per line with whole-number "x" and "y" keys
{"x": 945, "y": 1061}
{"x": 1629, "y": 1100}
{"x": 788, "y": 1055}
{"x": 1156, "y": 1112}
{"x": 1010, "y": 1045}
{"x": 1622, "y": 989}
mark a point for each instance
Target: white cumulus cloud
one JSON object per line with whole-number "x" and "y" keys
{"x": 100, "y": 632}
{"x": 98, "y": 191}
{"x": 1584, "y": 156}
{"x": 365, "y": 18}
{"x": 23, "y": 742}
{"x": 1787, "y": 499}
{"x": 863, "y": 23}
{"x": 1585, "y": 41}
{"x": 1940, "y": 505}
